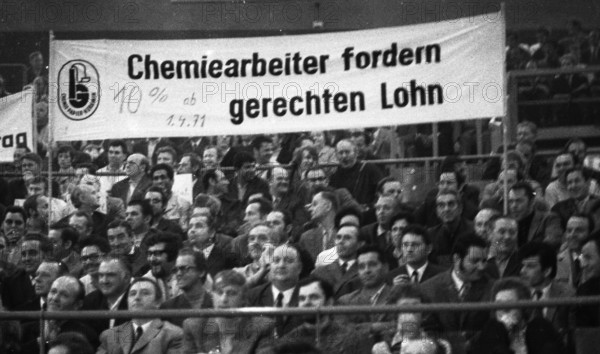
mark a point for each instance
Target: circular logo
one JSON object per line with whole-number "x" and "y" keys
{"x": 78, "y": 89}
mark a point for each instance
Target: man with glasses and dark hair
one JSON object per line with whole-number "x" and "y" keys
{"x": 161, "y": 254}
{"x": 92, "y": 251}
{"x": 191, "y": 277}
{"x": 247, "y": 183}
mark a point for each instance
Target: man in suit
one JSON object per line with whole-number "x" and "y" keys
{"x": 247, "y": 183}
{"x": 580, "y": 201}
{"x": 416, "y": 246}
{"x": 178, "y": 208}
{"x": 45, "y": 275}
{"x": 466, "y": 281}
{"x": 504, "y": 262}
{"x": 117, "y": 153}
{"x": 190, "y": 274}
{"x": 114, "y": 276}
{"x": 533, "y": 225}
{"x": 256, "y": 211}
{"x": 241, "y": 335}
{"x": 65, "y": 242}
{"x": 139, "y": 217}
{"x": 215, "y": 247}
{"x": 289, "y": 262}
{"x": 538, "y": 271}
{"x": 568, "y": 271}
{"x": 449, "y": 210}
{"x": 142, "y": 335}
{"x": 191, "y": 163}
{"x": 286, "y": 198}
{"x": 136, "y": 183}
{"x": 322, "y": 210}
{"x": 343, "y": 273}
{"x": 161, "y": 255}
{"x": 158, "y": 200}
{"x": 378, "y": 233}
{"x": 122, "y": 243}
{"x": 374, "y": 290}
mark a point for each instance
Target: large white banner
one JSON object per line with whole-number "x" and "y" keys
{"x": 16, "y": 123}
{"x": 432, "y": 72}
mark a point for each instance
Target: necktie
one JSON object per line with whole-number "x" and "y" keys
{"x": 415, "y": 277}
{"x": 344, "y": 267}
{"x": 138, "y": 334}
{"x": 538, "y": 311}
{"x": 279, "y": 319}
{"x": 464, "y": 291}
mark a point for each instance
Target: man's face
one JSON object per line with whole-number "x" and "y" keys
{"x": 142, "y": 296}
{"x": 448, "y": 182}
{"x": 222, "y": 185}
{"x": 264, "y": 153}
{"x": 44, "y": 277}
{"x": 276, "y": 222}
{"x": 80, "y": 223}
{"x": 316, "y": 178}
{"x": 392, "y": 189}
{"x": 155, "y": 200}
{"x": 252, "y": 214}
{"x": 577, "y": 186}
{"x": 30, "y": 168}
{"x": 133, "y": 166}
{"x": 448, "y": 208}
{"x": 58, "y": 246}
{"x": 415, "y": 249}
{"x": 319, "y": 208}
{"x": 346, "y": 154}
{"x": 472, "y": 266}
{"x": 248, "y": 171}
{"x": 532, "y": 272}
{"x": 185, "y": 165}
{"x": 63, "y": 295}
{"x": 562, "y": 164}
{"x": 64, "y": 160}
{"x": 36, "y": 189}
{"x": 31, "y": 256}
{"x": 510, "y": 176}
{"x": 519, "y": 206}
{"x": 209, "y": 158}
{"x": 186, "y": 273}
{"x": 116, "y": 156}
{"x": 578, "y": 229}
{"x": 590, "y": 261}
{"x": 157, "y": 259}
{"x": 481, "y": 223}
{"x": 397, "y": 229}
{"x": 371, "y": 271}
{"x": 504, "y": 236}
{"x": 161, "y": 179}
{"x": 578, "y": 150}
{"x": 90, "y": 259}
{"x": 135, "y": 218}
{"x": 525, "y": 134}
{"x": 346, "y": 242}
{"x": 286, "y": 265}
{"x": 120, "y": 242}
{"x": 280, "y": 181}
{"x": 310, "y": 296}
{"x": 228, "y": 297}
{"x": 258, "y": 237}
{"x": 515, "y": 315}
{"x": 384, "y": 210}
{"x": 166, "y": 158}
{"x": 112, "y": 278}
{"x": 13, "y": 226}
{"x": 199, "y": 232}
{"x": 89, "y": 197}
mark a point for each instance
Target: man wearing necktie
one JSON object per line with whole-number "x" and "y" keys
{"x": 161, "y": 255}
{"x": 142, "y": 335}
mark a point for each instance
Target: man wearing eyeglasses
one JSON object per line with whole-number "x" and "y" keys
{"x": 92, "y": 251}
{"x": 161, "y": 255}
{"x": 191, "y": 279}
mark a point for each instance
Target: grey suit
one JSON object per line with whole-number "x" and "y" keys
{"x": 160, "y": 338}
{"x": 343, "y": 283}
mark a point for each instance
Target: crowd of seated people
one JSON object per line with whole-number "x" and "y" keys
{"x": 273, "y": 223}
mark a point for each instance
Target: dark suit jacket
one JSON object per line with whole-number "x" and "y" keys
{"x": 17, "y": 290}
{"x": 171, "y": 226}
{"x": 201, "y": 335}
{"x": 262, "y": 296}
{"x": 545, "y": 227}
{"x": 513, "y": 267}
{"x": 426, "y": 213}
{"x": 312, "y": 241}
{"x": 559, "y": 316}
{"x": 160, "y": 338}
{"x": 121, "y": 188}
{"x": 187, "y": 146}
{"x": 31, "y": 332}
{"x": 430, "y": 271}
{"x": 443, "y": 240}
{"x": 255, "y": 186}
{"x": 181, "y": 302}
{"x": 97, "y": 301}
{"x": 221, "y": 257}
{"x": 343, "y": 283}
{"x": 139, "y": 262}
{"x": 358, "y": 297}
{"x": 568, "y": 207}
{"x": 369, "y": 232}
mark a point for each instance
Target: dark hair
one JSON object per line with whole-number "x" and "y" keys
{"x": 325, "y": 286}
{"x": 195, "y": 159}
{"x": 241, "y": 158}
{"x": 157, "y": 292}
{"x": 524, "y": 186}
{"x": 332, "y": 198}
{"x": 209, "y": 174}
{"x": 511, "y": 283}
{"x": 32, "y": 156}
{"x": 463, "y": 243}
{"x": 45, "y": 245}
{"x": 170, "y": 240}
{"x": 67, "y": 234}
{"x": 123, "y": 260}
{"x": 406, "y": 291}
{"x": 265, "y": 206}
{"x": 13, "y": 209}
{"x": 385, "y": 180}
{"x": 287, "y": 216}
{"x": 544, "y": 251}
{"x": 163, "y": 196}
{"x": 577, "y": 169}
{"x": 120, "y": 223}
{"x": 349, "y": 210}
{"x": 419, "y": 231}
{"x": 360, "y": 236}
{"x": 259, "y": 140}
{"x": 460, "y": 179}
{"x": 96, "y": 241}
{"x": 119, "y": 143}
{"x": 163, "y": 167}
{"x": 83, "y": 214}
{"x": 402, "y": 216}
{"x": 30, "y": 205}
{"x": 91, "y": 167}
{"x": 144, "y": 205}
{"x": 74, "y": 342}
{"x": 66, "y": 149}
{"x": 168, "y": 149}
{"x": 588, "y": 217}
{"x": 494, "y": 218}
{"x": 199, "y": 260}
{"x": 372, "y": 249}
{"x": 296, "y": 347}
{"x": 38, "y": 180}
{"x": 304, "y": 256}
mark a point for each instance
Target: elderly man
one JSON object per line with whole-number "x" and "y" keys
{"x": 142, "y": 335}
{"x": 216, "y": 248}
{"x": 136, "y": 183}
{"x": 505, "y": 261}
{"x": 321, "y": 237}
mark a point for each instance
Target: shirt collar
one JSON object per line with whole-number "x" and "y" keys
{"x": 287, "y": 295}
{"x": 349, "y": 263}
{"x": 419, "y": 270}
{"x": 459, "y": 283}
{"x": 145, "y": 326}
